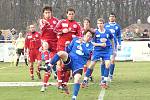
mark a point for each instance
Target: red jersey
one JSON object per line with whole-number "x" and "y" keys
{"x": 47, "y": 29}
{"x": 33, "y": 40}
{"x": 74, "y": 28}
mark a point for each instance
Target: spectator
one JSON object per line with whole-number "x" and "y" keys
{"x": 128, "y": 34}
{"x": 13, "y": 35}
{"x": 137, "y": 34}
{"x": 1, "y": 37}
{"x": 145, "y": 34}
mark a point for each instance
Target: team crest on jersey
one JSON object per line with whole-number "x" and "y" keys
{"x": 116, "y": 27}
{"x": 112, "y": 30}
{"x": 64, "y": 25}
{"x": 36, "y": 35}
{"x": 54, "y": 22}
{"x": 74, "y": 26}
{"x": 87, "y": 44}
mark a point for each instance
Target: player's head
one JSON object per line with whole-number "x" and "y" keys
{"x": 32, "y": 28}
{"x": 112, "y": 17}
{"x": 20, "y": 35}
{"x": 88, "y": 34}
{"x": 47, "y": 12}
{"x": 100, "y": 23}
{"x": 70, "y": 14}
{"x": 45, "y": 45}
{"x": 86, "y": 22}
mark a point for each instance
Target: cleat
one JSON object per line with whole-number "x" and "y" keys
{"x": 103, "y": 84}
{"x": 84, "y": 84}
{"x": 74, "y": 98}
{"x": 38, "y": 74}
{"x": 91, "y": 78}
{"x": 43, "y": 88}
{"x": 65, "y": 89}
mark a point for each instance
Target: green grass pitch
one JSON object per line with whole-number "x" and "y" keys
{"x": 131, "y": 82}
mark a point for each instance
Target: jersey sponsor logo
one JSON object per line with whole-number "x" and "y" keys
{"x": 112, "y": 31}
{"x": 97, "y": 35}
{"x": 29, "y": 37}
{"x": 79, "y": 51}
{"x": 74, "y": 26}
{"x": 87, "y": 44}
{"x": 64, "y": 25}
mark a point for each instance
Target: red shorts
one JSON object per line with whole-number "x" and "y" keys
{"x": 33, "y": 55}
{"x": 60, "y": 48}
{"x": 52, "y": 47}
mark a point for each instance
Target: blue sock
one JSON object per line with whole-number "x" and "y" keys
{"x": 54, "y": 59}
{"x": 76, "y": 89}
{"x": 112, "y": 67}
{"x": 88, "y": 72}
{"x": 102, "y": 69}
{"x": 106, "y": 72}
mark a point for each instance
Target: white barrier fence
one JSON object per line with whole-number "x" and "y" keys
{"x": 130, "y": 50}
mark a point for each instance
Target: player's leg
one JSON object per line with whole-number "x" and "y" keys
{"x": 88, "y": 73}
{"x": 76, "y": 86}
{"x": 90, "y": 77}
{"x": 25, "y": 57}
{"x": 18, "y": 52}
{"x": 112, "y": 66}
{"x": 102, "y": 66}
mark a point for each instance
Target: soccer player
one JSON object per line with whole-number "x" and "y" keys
{"x": 87, "y": 26}
{"x": 67, "y": 29}
{"x": 47, "y": 25}
{"x": 115, "y": 29}
{"x": 19, "y": 45}
{"x": 32, "y": 45}
{"x": 102, "y": 44}
{"x": 76, "y": 55}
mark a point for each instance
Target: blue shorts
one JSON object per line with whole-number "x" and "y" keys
{"x": 74, "y": 64}
{"x": 97, "y": 55}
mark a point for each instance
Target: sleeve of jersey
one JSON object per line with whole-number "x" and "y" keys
{"x": 26, "y": 43}
{"x": 86, "y": 51}
{"x": 42, "y": 25}
{"x": 58, "y": 27}
{"x": 69, "y": 47}
{"x": 79, "y": 33}
{"x": 119, "y": 35}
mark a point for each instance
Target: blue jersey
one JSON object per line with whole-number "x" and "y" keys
{"x": 79, "y": 53}
{"x": 115, "y": 29}
{"x": 97, "y": 39}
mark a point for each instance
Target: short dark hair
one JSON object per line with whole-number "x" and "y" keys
{"x": 112, "y": 13}
{"x": 70, "y": 9}
{"x": 85, "y": 32}
{"x": 47, "y": 8}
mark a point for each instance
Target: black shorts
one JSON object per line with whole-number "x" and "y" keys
{"x": 20, "y": 51}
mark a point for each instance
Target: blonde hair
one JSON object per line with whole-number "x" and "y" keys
{"x": 101, "y": 20}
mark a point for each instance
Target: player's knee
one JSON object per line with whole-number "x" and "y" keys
{"x": 77, "y": 78}
{"x": 60, "y": 53}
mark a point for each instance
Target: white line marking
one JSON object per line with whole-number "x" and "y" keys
{"x": 102, "y": 94}
{"x": 3, "y": 68}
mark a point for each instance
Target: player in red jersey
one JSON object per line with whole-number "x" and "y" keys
{"x": 32, "y": 45}
{"x": 66, "y": 29}
{"x": 47, "y": 25}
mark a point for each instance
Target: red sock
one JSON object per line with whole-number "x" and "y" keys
{"x": 31, "y": 70}
{"x": 59, "y": 76}
{"x": 46, "y": 78}
{"x": 66, "y": 76}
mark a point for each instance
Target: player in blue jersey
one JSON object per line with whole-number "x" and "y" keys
{"x": 102, "y": 42}
{"x": 75, "y": 57}
{"x": 115, "y": 29}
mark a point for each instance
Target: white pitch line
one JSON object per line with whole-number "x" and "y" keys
{"x": 102, "y": 94}
{"x": 3, "y": 68}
